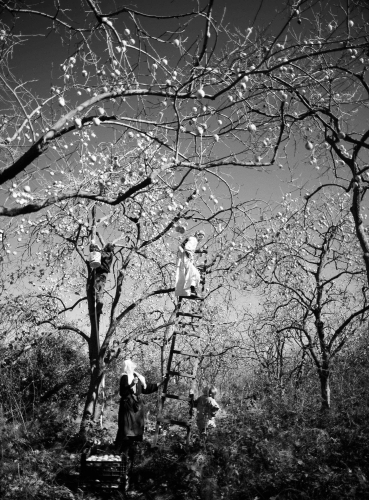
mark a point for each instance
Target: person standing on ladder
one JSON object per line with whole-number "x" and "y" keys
{"x": 187, "y": 323}
{"x": 187, "y": 275}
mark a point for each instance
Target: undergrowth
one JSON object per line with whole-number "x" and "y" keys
{"x": 272, "y": 444}
{"x": 266, "y": 451}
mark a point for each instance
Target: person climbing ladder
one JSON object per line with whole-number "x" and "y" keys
{"x": 187, "y": 275}
{"x": 189, "y": 315}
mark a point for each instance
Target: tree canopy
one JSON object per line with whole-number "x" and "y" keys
{"x": 139, "y": 125}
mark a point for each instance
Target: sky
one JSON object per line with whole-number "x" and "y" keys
{"x": 39, "y": 59}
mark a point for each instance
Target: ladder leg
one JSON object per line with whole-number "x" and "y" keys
{"x": 166, "y": 382}
{"x": 192, "y": 392}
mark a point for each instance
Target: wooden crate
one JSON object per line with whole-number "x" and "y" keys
{"x": 96, "y": 471}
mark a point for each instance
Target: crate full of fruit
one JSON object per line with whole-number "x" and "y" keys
{"x": 104, "y": 470}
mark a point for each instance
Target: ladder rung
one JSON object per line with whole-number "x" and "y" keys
{"x": 174, "y": 396}
{"x": 185, "y": 325}
{"x": 189, "y": 315}
{"x": 181, "y": 374}
{"x": 171, "y": 421}
{"x": 190, "y": 297}
{"x": 190, "y": 354}
{"x": 188, "y": 334}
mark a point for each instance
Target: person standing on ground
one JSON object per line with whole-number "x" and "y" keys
{"x": 131, "y": 416}
{"x": 207, "y": 408}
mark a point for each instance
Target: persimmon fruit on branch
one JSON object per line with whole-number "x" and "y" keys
{"x": 202, "y": 102}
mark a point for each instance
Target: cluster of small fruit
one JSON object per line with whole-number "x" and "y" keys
{"x": 104, "y": 458}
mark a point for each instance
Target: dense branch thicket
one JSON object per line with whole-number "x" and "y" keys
{"x": 144, "y": 125}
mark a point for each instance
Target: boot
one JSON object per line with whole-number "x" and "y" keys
{"x": 131, "y": 454}
{"x": 124, "y": 483}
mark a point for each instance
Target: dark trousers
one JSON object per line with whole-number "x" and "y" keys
{"x": 128, "y": 451}
{"x": 100, "y": 282}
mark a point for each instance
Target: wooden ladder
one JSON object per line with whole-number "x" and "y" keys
{"x": 187, "y": 324}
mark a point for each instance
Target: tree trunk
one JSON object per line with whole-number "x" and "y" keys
{"x": 356, "y": 210}
{"x": 89, "y": 411}
{"x": 94, "y": 344}
{"x": 96, "y": 361}
{"x": 325, "y": 390}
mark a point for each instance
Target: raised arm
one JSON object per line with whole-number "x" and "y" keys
{"x": 150, "y": 388}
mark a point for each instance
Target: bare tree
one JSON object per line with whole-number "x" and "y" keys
{"x": 147, "y": 229}
{"x": 219, "y": 100}
{"x": 146, "y": 130}
{"x": 313, "y": 283}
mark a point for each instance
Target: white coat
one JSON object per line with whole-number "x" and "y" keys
{"x": 186, "y": 273}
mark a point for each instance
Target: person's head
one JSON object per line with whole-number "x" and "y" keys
{"x": 212, "y": 391}
{"x": 129, "y": 366}
{"x": 109, "y": 247}
{"x": 205, "y": 391}
{"x": 200, "y": 235}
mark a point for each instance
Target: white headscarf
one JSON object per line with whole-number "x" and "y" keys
{"x": 129, "y": 370}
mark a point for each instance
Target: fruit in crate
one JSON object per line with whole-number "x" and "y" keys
{"x": 104, "y": 458}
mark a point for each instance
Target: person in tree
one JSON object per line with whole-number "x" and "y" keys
{"x": 131, "y": 415}
{"x": 207, "y": 408}
{"x": 101, "y": 273}
{"x": 187, "y": 275}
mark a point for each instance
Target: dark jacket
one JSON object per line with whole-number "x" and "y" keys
{"x": 106, "y": 260}
{"x": 131, "y": 416}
